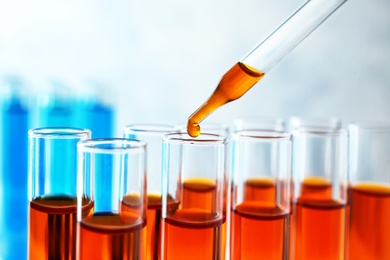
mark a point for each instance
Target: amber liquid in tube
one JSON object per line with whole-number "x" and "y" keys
{"x": 234, "y": 83}
{"x": 153, "y": 228}
{"x": 52, "y": 228}
{"x": 98, "y": 240}
{"x": 194, "y": 231}
{"x": 259, "y": 226}
{"x": 108, "y": 235}
{"x": 318, "y": 223}
{"x": 369, "y": 232}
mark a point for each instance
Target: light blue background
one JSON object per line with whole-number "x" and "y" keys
{"x": 162, "y": 59}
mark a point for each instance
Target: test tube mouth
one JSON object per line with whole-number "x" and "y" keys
{"x": 262, "y": 134}
{"x": 203, "y": 138}
{"x": 317, "y": 126}
{"x": 151, "y": 128}
{"x": 256, "y": 123}
{"x": 112, "y": 145}
{"x": 59, "y": 132}
{"x": 378, "y": 126}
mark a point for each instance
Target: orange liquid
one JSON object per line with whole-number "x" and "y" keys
{"x": 52, "y": 227}
{"x": 259, "y": 226}
{"x": 195, "y": 230}
{"x": 318, "y": 223}
{"x": 234, "y": 83}
{"x": 153, "y": 227}
{"x": 107, "y": 236}
{"x": 369, "y": 233}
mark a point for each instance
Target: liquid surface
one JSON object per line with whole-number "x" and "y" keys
{"x": 318, "y": 223}
{"x": 107, "y": 236}
{"x": 258, "y": 225}
{"x": 52, "y": 227}
{"x": 194, "y": 230}
{"x": 369, "y": 234}
{"x": 234, "y": 83}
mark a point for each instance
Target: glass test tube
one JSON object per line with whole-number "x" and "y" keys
{"x": 55, "y": 107}
{"x": 260, "y": 212}
{"x": 369, "y": 231}
{"x": 93, "y": 110}
{"x": 259, "y": 123}
{"x": 252, "y": 68}
{"x": 112, "y": 178}
{"x": 152, "y": 134}
{"x": 193, "y": 197}
{"x": 320, "y": 183}
{"x": 52, "y": 192}
{"x": 14, "y": 121}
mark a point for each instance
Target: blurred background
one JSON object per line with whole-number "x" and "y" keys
{"x": 158, "y": 61}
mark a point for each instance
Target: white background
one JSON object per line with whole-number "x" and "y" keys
{"x": 160, "y": 60}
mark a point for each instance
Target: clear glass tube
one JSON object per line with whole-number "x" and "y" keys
{"x": 260, "y": 213}
{"x": 290, "y": 33}
{"x": 252, "y": 68}
{"x": 369, "y": 160}
{"x": 320, "y": 185}
{"x": 152, "y": 134}
{"x": 259, "y": 123}
{"x": 193, "y": 217}
{"x": 111, "y": 199}
{"x": 53, "y": 191}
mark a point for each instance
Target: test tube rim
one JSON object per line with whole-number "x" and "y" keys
{"x": 262, "y": 135}
{"x": 320, "y": 132}
{"x": 94, "y": 145}
{"x": 59, "y": 133}
{"x": 151, "y": 128}
{"x": 370, "y": 125}
{"x": 202, "y": 139}
{"x": 316, "y": 126}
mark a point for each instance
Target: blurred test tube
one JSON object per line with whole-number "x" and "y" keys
{"x": 94, "y": 109}
{"x": 53, "y": 104}
{"x": 14, "y": 123}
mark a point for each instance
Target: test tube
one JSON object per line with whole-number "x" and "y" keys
{"x": 252, "y": 68}
{"x": 152, "y": 134}
{"x": 320, "y": 184}
{"x": 14, "y": 121}
{"x": 259, "y": 123}
{"x": 260, "y": 213}
{"x": 54, "y": 105}
{"x": 112, "y": 176}
{"x": 93, "y": 110}
{"x": 193, "y": 197}
{"x": 53, "y": 192}
{"x": 369, "y": 230}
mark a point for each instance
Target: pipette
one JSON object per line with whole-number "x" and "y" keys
{"x": 252, "y": 68}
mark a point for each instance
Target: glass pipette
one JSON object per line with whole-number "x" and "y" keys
{"x": 248, "y": 71}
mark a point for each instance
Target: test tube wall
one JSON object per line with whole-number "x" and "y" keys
{"x": 14, "y": 123}
{"x": 23, "y": 108}
{"x": 320, "y": 183}
{"x": 60, "y": 105}
{"x": 93, "y": 110}
{"x": 193, "y": 217}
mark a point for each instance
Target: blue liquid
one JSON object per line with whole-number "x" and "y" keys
{"x": 56, "y": 114}
{"x": 14, "y": 152}
{"x": 96, "y": 117}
